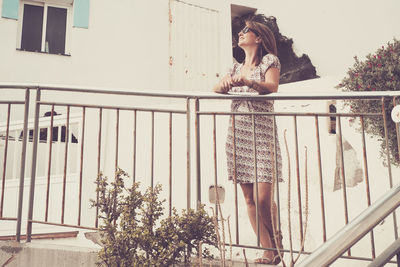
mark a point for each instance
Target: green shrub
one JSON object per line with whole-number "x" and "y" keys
{"x": 134, "y": 234}
{"x": 378, "y": 72}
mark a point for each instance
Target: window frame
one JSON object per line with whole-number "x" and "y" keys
{"x": 46, "y": 4}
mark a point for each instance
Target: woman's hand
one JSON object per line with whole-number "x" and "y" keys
{"x": 224, "y": 85}
{"x": 241, "y": 80}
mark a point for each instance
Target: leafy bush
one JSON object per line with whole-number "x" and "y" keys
{"x": 133, "y": 233}
{"x": 378, "y": 72}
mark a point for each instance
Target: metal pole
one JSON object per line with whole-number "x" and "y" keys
{"x": 215, "y": 165}
{"x": 389, "y": 168}
{"x": 276, "y": 178}
{"x": 321, "y": 185}
{"x": 152, "y": 151}
{"x": 170, "y": 163}
{"x": 3, "y": 182}
{"x": 298, "y": 178}
{"x": 397, "y": 131}
{"x": 81, "y": 164}
{"x": 256, "y": 178}
{"x": 33, "y": 169}
{"x": 346, "y": 213}
{"x": 188, "y": 186}
{"x": 22, "y": 173}
{"x": 198, "y": 171}
{"x": 367, "y": 180}
{"x": 50, "y": 140}
{"x": 134, "y": 147}
{"x": 98, "y": 162}
{"x": 64, "y": 188}
{"x": 116, "y": 142}
{"x": 234, "y": 179}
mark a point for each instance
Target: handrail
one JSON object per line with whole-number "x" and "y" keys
{"x": 334, "y": 247}
{"x": 386, "y": 255}
{"x": 202, "y": 95}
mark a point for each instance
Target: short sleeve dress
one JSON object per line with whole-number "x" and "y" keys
{"x": 242, "y": 167}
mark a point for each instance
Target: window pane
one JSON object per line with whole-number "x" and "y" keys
{"x": 32, "y": 28}
{"x": 55, "y": 30}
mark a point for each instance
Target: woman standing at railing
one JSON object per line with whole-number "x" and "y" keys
{"x": 258, "y": 73}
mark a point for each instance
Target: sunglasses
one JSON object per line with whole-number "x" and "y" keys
{"x": 247, "y": 29}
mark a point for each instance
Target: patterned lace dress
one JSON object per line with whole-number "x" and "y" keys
{"x": 243, "y": 145}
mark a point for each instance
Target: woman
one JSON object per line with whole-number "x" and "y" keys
{"x": 258, "y": 73}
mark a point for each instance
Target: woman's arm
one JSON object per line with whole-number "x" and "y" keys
{"x": 270, "y": 84}
{"x": 223, "y": 86}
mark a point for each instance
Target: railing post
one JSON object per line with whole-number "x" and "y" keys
{"x": 385, "y": 125}
{"x": 398, "y": 153}
{"x": 188, "y": 162}
{"x": 33, "y": 172}
{"x": 198, "y": 171}
{"x": 152, "y": 151}
{"x": 3, "y": 182}
{"x": 296, "y": 139}
{"x": 22, "y": 170}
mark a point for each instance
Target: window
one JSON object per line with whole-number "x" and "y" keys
{"x": 44, "y": 28}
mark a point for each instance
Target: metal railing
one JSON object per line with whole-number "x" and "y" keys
{"x": 354, "y": 231}
{"x": 321, "y": 173}
{"x": 154, "y": 139}
{"x": 385, "y": 256}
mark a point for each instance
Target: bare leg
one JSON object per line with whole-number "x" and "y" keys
{"x": 264, "y": 212}
{"x": 268, "y": 213}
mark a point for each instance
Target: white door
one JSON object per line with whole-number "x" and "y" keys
{"x": 194, "y": 47}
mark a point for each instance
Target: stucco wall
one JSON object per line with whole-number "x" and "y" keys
{"x": 126, "y": 45}
{"x": 333, "y": 32}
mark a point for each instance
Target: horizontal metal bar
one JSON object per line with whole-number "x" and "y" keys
{"x": 8, "y": 219}
{"x": 12, "y": 85}
{"x": 310, "y": 114}
{"x": 44, "y": 236}
{"x": 304, "y": 96}
{"x": 112, "y": 107}
{"x": 269, "y": 249}
{"x": 354, "y": 231}
{"x": 96, "y": 90}
{"x": 63, "y": 225}
{"x": 386, "y": 255}
{"x": 12, "y": 102}
{"x": 303, "y": 252}
{"x": 204, "y": 95}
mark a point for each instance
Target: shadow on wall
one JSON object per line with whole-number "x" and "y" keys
{"x": 294, "y": 68}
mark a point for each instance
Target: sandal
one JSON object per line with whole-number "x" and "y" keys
{"x": 279, "y": 238}
{"x": 264, "y": 260}
{"x": 276, "y": 260}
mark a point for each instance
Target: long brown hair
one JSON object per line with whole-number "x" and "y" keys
{"x": 268, "y": 42}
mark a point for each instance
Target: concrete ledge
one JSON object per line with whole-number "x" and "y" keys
{"x": 14, "y": 254}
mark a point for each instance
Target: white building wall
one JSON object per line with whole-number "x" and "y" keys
{"x": 127, "y": 42}
{"x": 125, "y": 46}
{"x": 333, "y": 32}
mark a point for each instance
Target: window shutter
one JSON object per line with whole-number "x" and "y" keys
{"x": 10, "y": 9}
{"x": 81, "y": 13}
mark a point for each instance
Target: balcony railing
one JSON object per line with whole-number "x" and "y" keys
{"x": 55, "y": 140}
